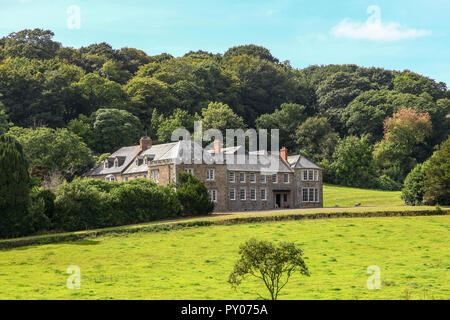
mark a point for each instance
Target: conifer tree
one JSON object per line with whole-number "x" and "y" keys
{"x": 15, "y": 188}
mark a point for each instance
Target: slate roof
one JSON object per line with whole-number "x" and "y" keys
{"x": 260, "y": 163}
{"x": 176, "y": 151}
{"x": 126, "y": 156}
{"x": 158, "y": 152}
{"x": 300, "y": 162}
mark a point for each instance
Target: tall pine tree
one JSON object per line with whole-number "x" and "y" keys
{"x": 15, "y": 188}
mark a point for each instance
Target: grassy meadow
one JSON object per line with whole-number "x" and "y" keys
{"x": 347, "y": 197}
{"x": 194, "y": 263}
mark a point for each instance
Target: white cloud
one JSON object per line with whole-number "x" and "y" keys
{"x": 374, "y": 29}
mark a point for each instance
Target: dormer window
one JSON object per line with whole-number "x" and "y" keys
{"x": 116, "y": 162}
{"x": 106, "y": 164}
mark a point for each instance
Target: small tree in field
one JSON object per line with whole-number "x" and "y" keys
{"x": 271, "y": 263}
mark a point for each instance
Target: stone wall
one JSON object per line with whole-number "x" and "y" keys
{"x": 219, "y": 183}
{"x": 308, "y": 184}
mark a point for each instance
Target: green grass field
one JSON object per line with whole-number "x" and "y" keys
{"x": 347, "y": 197}
{"x": 194, "y": 263}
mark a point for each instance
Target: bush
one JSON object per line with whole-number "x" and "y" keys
{"x": 193, "y": 196}
{"x": 36, "y": 218}
{"x": 141, "y": 201}
{"x": 388, "y": 184}
{"x": 81, "y": 205}
{"x": 413, "y": 192}
{"x": 89, "y": 203}
{"x": 41, "y": 210}
{"x": 436, "y": 183}
{"x": 48, "y": 198}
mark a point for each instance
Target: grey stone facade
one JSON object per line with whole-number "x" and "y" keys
{"x": 296, "y": 183}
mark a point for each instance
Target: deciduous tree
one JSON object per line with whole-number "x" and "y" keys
{"x": 273, "y": 264}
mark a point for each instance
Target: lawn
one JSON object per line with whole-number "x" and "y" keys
{"x": 194, "y": 263}
{"x": 347, "y": 197}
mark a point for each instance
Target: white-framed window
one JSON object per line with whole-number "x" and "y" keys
{"x": 210, "y": 174}
{"x": 213, "y": 195}
{"x": 263, "y": 178}
{"x": 145, "y": 160}
{"x": 253, "y": 194}
{"x": 232, "y": 177}
{"x": 275, "y": 178}
{"x": 305, "y": 194}
{"x": 106, "y": 164}
{"x": 252, "y": 177}
{"x": 264, "y": 194}
{"x": 286, "y": 178}
{"x": 243, "y": 194}
{"x": 310, "y": 195}
{"x": 242, "y": 177}
{"x": 155, "y": 175}
{"x": 110, "y": 178}
{"x": 126, "y": 178}
{"x": 232, "y": 194}
{"x": 116, "y": 162}
{"x": 305, "y": 175}
{"x": 311, "y": 175}
{"x": 189, "y": 170}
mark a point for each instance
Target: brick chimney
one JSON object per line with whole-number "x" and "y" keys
{"x": 145, "y": 143}
{"x": 217, "y": 146}
{"x": 284, "y": 153}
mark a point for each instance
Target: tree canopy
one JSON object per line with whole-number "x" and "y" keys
{"x": 45, "y": 84}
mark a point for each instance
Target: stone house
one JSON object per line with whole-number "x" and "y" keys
{"x": 234, "y": 181}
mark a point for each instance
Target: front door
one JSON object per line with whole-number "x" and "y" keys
{"x": 278, "y": 200}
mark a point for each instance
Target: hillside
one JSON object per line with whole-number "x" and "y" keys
{"x": 108, "y": 98}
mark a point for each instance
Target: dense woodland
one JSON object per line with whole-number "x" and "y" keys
{"x": 68, "y": 108}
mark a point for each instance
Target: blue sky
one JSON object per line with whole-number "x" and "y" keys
{"x": 400, "y": 34}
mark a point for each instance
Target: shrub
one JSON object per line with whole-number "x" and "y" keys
{"x": 413, "y": 192}
{"x": 81, "y": 205}
{"x": 41, "y": 210}
{"x": 48, "y": 199}
{"x": 193, "y": 195}
{"x": 36, "y": 218}
{"x": 436, "y": 184}
{"x": 141, "y": 201}
{"x": 88, "y": 203}
{"x": 388, "y": 184}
